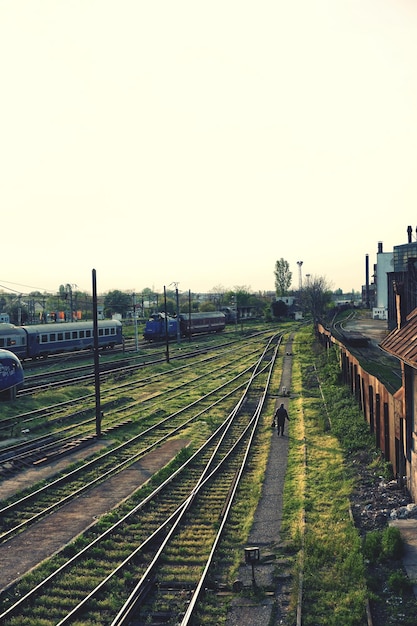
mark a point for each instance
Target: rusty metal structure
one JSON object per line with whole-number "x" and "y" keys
{"x": 382, "y": 409}
{"x": 402, "y": 343}
{"x": 392, "y": 417}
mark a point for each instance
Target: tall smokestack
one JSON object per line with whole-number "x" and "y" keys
{"x": 367, "y": 280}
{"x": 379, "y": 247}
{"x": 409, "y": 231}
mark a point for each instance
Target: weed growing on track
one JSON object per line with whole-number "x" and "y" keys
{"x": 213, "y": 609}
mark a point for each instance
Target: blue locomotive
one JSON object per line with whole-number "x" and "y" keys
{"x": 40, "y": 340}
{"x": 11, "y": 374}
{"x": 158, "y": 326}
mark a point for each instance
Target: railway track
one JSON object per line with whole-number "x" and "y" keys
{"x": 166, "y": 387}
{"x": 77, "y": 428}
{"x": 36, "y": 504}
{"x": 116, "y": 571}
{"x": 83, "y": 375}
{"x": 64, "y": 373}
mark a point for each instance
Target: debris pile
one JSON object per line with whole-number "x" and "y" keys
{"x": 376, "y": 501}
{"x": 405, "y": 512}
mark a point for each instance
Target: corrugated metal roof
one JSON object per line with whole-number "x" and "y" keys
{"x": 402, "y": 342}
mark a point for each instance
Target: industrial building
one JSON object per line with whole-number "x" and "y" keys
{"x": 394, "y": 281}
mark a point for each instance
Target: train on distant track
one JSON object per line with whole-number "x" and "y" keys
{"x": 159, "y": 326}
{"x": 41, "y": 340}
{"x": 11, "y": 374}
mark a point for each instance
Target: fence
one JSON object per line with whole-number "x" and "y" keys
{"x": 382, "y": 410}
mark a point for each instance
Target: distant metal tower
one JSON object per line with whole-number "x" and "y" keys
{"x": 300, "y": 276}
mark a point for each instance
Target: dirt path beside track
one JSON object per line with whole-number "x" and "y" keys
{"x": 265, "y": 531}
{"x": 45, "y": 538}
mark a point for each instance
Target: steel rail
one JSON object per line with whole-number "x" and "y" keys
{"x": 138, "y": 593}
{"x": 104, "y": 373}
{"x": 34, "y": 591}
{"x": 4, "y": 456}
{"x": 108, "y": 454}
{"x": 200, "y": 586}
{"x": 26, "y": 417}
{"x": 28, "y": 451}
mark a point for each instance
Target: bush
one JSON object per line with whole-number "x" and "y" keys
{"x": 392, "y": 543}
{"x": 399, "y": 582}
{"x": 372, "y": 546}
{"x": 386, "y": 544}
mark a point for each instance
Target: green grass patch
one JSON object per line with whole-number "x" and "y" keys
{"x": 318, "y": 486}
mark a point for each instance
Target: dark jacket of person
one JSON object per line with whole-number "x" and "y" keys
{"x": 281, "y": 415}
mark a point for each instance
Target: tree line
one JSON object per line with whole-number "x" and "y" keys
{"x": 71, "y": 304}
{"x": 35, "y": 307}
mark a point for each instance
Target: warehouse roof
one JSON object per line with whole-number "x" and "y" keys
{"x": 402, "y": 342}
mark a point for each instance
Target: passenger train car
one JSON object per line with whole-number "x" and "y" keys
{"x": 40, "y": 340}
{"x": 156, "y": 327}
{"x": 11, "y": 374}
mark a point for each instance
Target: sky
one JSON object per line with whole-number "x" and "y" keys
{"x": 197, "y": 143}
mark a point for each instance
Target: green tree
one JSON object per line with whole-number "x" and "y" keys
{"x": 117, "y": 302}
{"x": 316, "y": 297}
{"x": 171, "y": 305}
{"x": 3, "y": 302}
{"x": 283, "y": 277}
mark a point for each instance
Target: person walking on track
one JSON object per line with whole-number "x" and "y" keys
{"x": 280, "y": 416}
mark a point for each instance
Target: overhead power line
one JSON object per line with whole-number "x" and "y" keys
{"x": 19, "y": 285}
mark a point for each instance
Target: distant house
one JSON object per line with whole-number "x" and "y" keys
{"x": 380, "y": 313}
{"x": 286, "y": 306}
{"x": 289, "y": 300}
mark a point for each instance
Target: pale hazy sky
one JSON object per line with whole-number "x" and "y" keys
{"x": 198, "y": 142}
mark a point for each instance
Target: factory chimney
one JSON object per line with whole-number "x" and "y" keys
{"x": 409, "y": 231}
{"x": 379, "y": 247}
{"x": 367, "y": 280}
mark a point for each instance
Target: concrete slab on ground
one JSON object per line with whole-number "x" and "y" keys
{"x": 408, "y": 530}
